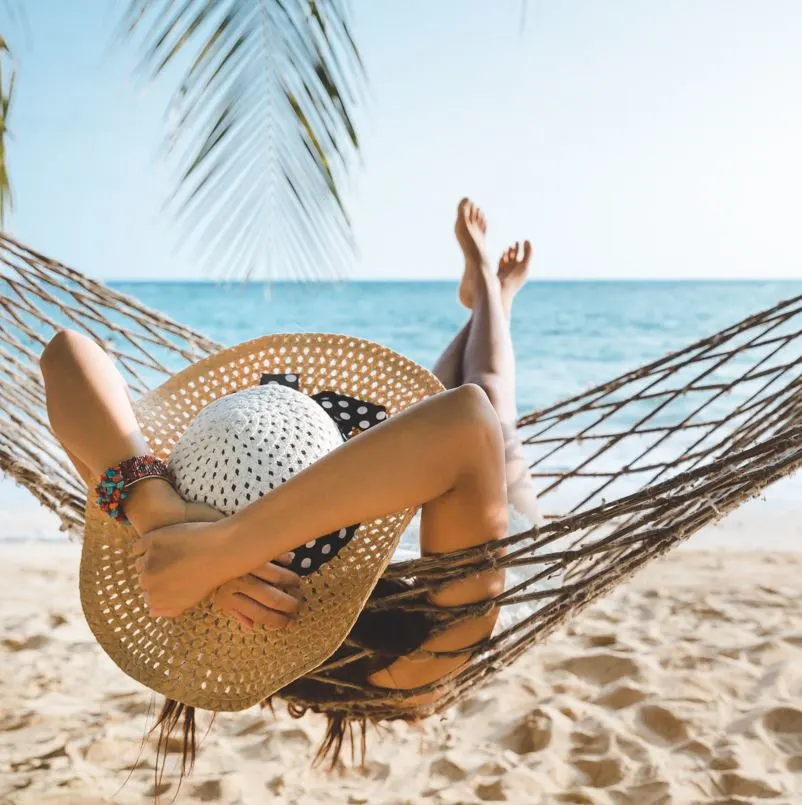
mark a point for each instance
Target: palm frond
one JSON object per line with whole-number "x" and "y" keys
{"x": 264, "y": 126}
{"x": 6, "y": 96}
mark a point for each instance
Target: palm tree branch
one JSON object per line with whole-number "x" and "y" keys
{"x": 264, "y": 117}
{"x": 6, "y": 98}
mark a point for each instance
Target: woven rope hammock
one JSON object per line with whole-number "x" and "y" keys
{"x": 635, "y": 465}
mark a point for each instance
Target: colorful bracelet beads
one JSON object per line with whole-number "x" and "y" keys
{"x": 111, "y": 489}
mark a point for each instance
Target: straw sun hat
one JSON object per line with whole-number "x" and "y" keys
{"x": 297, "y": 397}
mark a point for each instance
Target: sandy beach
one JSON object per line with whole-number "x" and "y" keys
{"x": 684, "y": 686}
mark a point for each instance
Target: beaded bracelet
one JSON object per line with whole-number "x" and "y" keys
{"x": 111, "y": 489}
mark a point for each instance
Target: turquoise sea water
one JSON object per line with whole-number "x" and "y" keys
{"x": 567, "y": 335}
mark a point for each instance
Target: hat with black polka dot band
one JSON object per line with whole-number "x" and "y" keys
{"x": 231, "y": 428}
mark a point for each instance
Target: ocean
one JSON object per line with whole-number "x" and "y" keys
{"x": 567, "y": 335}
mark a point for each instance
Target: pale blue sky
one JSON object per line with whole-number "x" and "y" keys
{"x": 650, "y": 139}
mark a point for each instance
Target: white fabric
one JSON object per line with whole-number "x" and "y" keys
{"x": 409, "y": 548}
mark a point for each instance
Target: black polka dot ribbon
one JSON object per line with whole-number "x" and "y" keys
{"x": 352, "y": 416}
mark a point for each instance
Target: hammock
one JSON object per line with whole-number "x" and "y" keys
{"x": 636, "y": 465}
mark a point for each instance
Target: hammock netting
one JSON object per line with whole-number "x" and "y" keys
{"x": 629, "y": 469}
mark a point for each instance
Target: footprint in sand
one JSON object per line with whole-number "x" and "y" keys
{"x": 15, "y": 721}
{"x": 210, "y": 791}
{"x": 747, "y": 788}
{"x": 591, "y": 743}
{"x": 660, "y": 726}
{"x": 217, "y": 790}
{"x": 794, "y": 764}
{"x": 376, "y": 770}
{"x": 601, "y": 772}
{"x": 447, "y": 769}
{"x": 604, "y": 640}
{"x": 621, "y": 696}
{"x": 158, "y": 789}
{"x": 35, "y": 641}
{"x": 783, "y": 726}
{"x": 655, "y": 792}
{"x": 276, "y": 742}
{"x": 134, "y": 704}
{"x": 491, "y": 792}
{"x": 535, "y": 731}
{"x": 601, "y": 667}
{"x": 634, "y": 749}
{"x": 492, "y": 768}
{"x": 475, "y": 704}
{"x": 699, "y": 751}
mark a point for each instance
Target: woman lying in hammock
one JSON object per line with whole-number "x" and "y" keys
{"x": 456, "y": 453}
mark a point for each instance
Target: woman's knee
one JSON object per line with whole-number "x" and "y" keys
{"x": 493, "y": 387}
{"x": 62, "y": 348}
{"x": 480, "y": 432}
{"x": 476, "y": 410}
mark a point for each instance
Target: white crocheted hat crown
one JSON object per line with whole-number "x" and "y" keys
{"x": 243, "y": 445}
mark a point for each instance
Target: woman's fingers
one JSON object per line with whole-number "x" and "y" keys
{"x": 275, "y": 574}
{"x": 140, "y": 546}
{"x": 267, "y": 595}
{"x": 254, "y": 601}
{"x": 246, "y": 622}
{"x": 247, "y": 608}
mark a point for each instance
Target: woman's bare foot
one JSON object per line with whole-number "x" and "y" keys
{"x": 470, "y": 230}
{"x": 513, "y": 270}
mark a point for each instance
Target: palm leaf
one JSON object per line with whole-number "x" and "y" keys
{"x": 6, "y": 95}
{"x": 263, "y": 125}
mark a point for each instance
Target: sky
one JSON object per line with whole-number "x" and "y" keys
{"x": 633, "y": 140}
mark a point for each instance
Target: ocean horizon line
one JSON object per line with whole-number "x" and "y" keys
{"x": 440, "y": 281}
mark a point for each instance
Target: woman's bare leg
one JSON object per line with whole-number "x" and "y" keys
{"x": 489, "y": 360}
{"x": 513, "y": 268}
{"x": 448, "y": 368}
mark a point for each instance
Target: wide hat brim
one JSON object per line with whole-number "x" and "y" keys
{"x": 204, "y": 658}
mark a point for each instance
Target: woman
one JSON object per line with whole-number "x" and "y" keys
{"x": 474, "y": 468}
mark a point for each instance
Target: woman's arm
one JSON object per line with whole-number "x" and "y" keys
{"x": 90, "y": 412}
{"x": 415, "y": 457}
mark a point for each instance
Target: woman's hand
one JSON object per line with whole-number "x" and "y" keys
{"x": 269, "y": 596}
{"x": 154, "y": 503}
{"x": 180, "y": 564}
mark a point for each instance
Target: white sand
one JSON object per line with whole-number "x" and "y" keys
{"x": 685, "y": 686}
